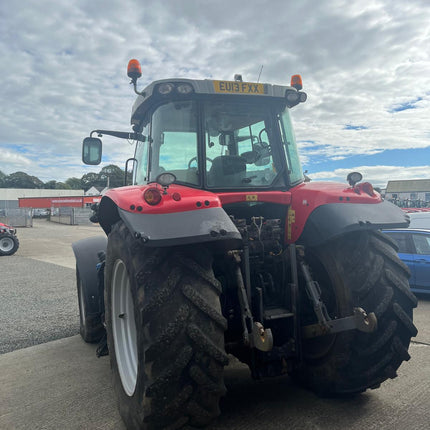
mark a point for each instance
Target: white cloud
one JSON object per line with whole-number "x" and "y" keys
{"x": 377, "y": 175}
{"x": 63, "y": 69}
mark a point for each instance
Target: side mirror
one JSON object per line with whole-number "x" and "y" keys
{"x": 92, "y": 151}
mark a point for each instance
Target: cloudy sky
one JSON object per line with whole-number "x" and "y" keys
{"x": 365, "y": 67}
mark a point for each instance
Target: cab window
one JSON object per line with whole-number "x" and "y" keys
{"x": 290, "y": 147}
{"x": 237, "y": 145}
{"x": 174, "y": 142}
{"x": 141, "y": 165}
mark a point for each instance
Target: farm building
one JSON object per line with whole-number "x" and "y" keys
{"x": 9, "y": 197}
{"x": 413, "y": 189}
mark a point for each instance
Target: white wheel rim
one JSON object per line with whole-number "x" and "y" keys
{"x": 6, "y": 244}
{"x": 82, "y": 302}
{"x": 124, "y": 328}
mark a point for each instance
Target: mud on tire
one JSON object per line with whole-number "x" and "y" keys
{"x": 179, "y": 334}
{"x": 359, "y": 270}
{"x": 90, "y": 323}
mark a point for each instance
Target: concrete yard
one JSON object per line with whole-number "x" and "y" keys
{"x": 59, "y": 383}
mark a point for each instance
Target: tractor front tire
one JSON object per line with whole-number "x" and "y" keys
{"x": 165, "y": 333}
{"x": 9, "y": 244}
{"x": 358, "y": 270}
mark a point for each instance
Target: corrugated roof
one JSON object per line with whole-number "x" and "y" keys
{"x": 407, "y": 186}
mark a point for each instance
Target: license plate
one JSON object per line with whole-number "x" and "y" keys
{"x": 238, "y": 87}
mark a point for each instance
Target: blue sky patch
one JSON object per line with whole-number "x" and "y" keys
{"x": 355, "y": 127}
{"x": 22, "y": 149}
{"x": 405, "y": 106}
{"x": 389, "y": 157}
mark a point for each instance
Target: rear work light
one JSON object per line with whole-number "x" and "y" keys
{"x": 152, "y": 196}
{"x": 184, "y": 89}
{"x": 292, "y": 97}
{"x": 165, "y": 88}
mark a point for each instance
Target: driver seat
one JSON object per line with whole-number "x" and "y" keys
{"x": 227, "y": 170}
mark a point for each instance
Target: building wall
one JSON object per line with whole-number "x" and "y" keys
{"x": 9, "y": 204}
{"x": 9, "y": 196}
{"x": 16, "y": 193}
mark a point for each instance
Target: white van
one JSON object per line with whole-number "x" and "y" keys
{"x": 420, "y": 220}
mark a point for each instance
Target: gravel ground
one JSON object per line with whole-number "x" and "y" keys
{"x": 38, "y": 298}
{"x": 38, "y": 304}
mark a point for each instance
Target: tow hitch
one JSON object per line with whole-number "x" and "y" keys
{"x": 360, "y": 320}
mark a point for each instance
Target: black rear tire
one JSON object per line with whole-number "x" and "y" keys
{"x": 90, "y": 324}
{"x": 9, "y": 244}
{"x": 358, "y": 270}
{"x": 179, "y": 331}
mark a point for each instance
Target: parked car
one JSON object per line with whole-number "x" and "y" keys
{"x": 419, "y": 220}
{"x": 414, "y": 250}
{"x": 40, "y": 213}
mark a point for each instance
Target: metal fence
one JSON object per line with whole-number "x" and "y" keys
{"x": 71, "y": 216}
{"x": 21, "y": 217}
{"x": 81, "y": 216}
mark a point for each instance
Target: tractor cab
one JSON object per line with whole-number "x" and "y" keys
{"x": 215, "y": 135}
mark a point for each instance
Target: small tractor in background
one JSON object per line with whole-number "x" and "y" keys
{"x": 9, "y": 242}
{"x": 221, "y": 247}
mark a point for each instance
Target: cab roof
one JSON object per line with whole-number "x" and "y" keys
{"x": 151, "y": 95}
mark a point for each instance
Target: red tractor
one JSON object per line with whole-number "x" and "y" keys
{"x": 221, "y": 247}
{"x": 9, "y": 242}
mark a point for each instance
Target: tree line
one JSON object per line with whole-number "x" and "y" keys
{"x": 112, "y": 176}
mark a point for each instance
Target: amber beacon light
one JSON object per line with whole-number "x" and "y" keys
{"x": 296, "y": 82}
{"x": 134, "y": 70}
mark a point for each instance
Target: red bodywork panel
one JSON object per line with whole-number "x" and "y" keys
{"x": 6, "y": 228}
{"x": 280, "y": 197}
{"x": 302, "y": 200}
{"x": 131, "y": 199}
{"x": 307, "y": 196}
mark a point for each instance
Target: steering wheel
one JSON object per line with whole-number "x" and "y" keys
{"x": 261, "y": 132}
{"x": 195, "y": 159}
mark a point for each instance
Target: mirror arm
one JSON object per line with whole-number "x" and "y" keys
{"x": 121, "y": 135}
